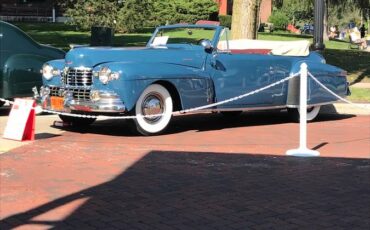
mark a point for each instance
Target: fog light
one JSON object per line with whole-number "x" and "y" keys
{"x": 95, "y": 96}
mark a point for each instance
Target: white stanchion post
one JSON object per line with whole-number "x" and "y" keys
{"x": 53, "y": 13}
{"x": 303, "y": 151}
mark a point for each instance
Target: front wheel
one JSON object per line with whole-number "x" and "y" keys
{"x": 77, "y": 121}
{"x": 154, "y": 100}
{"x": 312, "y": 113}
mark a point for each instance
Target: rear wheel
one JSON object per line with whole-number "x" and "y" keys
{"x": 312, "y": 113}
{"x": 77, "y": 121}
{"x": 155, "y": 99}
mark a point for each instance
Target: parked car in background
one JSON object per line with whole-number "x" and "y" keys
{"x": 307, "y": 29}
{"x": 182, "y": 67}
{"x": 21, "y": 59}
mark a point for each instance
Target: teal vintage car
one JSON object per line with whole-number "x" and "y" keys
{"x": 21, "y": 59}
{"x": 182, "y": 67}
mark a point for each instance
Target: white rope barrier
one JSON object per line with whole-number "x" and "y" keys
{"x": 6, "y": 101}
{"x": 204, "y": 106}
{"x": 302, "y": 150}
{"x": 176, "y": 112}
{"x": 336, "y": 95}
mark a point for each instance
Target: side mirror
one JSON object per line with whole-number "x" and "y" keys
{"x": 207, "y": 45}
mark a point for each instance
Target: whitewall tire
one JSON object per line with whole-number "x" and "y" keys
{"x": 312, "y": 113}
{"x": 155, "y": 99}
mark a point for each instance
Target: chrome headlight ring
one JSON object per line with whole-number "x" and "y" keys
{"x": 106, "y": 75}
{"x": 48, "y": 71}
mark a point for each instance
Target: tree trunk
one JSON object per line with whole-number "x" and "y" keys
{"x": 245, "y": 19}
{"x": 326, "y": 17}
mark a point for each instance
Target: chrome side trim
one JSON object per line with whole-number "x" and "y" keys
{"x": 238, "y": 109}
{"x": 317, "y": 104}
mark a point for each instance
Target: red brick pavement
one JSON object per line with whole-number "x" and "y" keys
{"x": 205, "y": 173}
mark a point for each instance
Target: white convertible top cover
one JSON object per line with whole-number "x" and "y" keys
{"x": 283, "y": 48}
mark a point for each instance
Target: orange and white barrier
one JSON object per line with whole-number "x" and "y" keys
{"x": 21, "y": 121}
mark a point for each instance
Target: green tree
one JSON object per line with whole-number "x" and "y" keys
{"x": 182, "y": 11}
{"x": 131, "y": 15}
{"x": 134, "y": 15}
{"x": 87, "y": 13}
{"x": 279, "y": 19}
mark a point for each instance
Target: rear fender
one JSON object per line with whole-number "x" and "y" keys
{"x": 332, "y": 77}
{"x": 21, "y": 73}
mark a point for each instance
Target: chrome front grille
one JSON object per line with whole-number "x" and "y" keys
{"x": 80, "y": 94}
{"x": 77, "y": 94}
{"x": 55, "y": 91}
{"x": 78, "y": 77}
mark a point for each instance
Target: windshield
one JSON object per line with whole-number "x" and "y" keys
{"x": 182, "y": 35}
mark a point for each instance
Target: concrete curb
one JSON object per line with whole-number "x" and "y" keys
{"x": 344, "y": 108}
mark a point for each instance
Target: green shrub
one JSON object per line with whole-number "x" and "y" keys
{"x": 132, "y": 15}
{"x": 182, "y": 11}
{"x": 225, "y": 20}
{"x": 279, "y": 19}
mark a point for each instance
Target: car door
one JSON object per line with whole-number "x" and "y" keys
{"x": 237, "y": 74}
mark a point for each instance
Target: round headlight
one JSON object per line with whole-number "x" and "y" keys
{"x": 47, "y": 71}
{"x": 104, "y": 74}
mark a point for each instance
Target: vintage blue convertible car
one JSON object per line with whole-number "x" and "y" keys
{"x": 184, "y": 66}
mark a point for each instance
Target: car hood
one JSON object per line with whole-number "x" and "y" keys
{"x": 91, "y": 56}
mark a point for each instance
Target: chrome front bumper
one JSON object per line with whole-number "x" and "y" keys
{"x": 98, "y": 101}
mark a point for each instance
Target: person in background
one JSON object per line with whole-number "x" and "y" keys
{"x": 333, "y": 32}
{"x": 362, "y": 30}
{"x": 342, "y": 34}
{"x": 355, "y": 36}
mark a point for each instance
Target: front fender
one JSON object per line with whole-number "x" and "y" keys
{"x": 193, "y": 85}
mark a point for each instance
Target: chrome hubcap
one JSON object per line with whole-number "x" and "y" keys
{"x": 152, "y": 105}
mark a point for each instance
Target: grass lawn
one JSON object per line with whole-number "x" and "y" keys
{"x": 359, "y": 95}
{"x": 61, "y": 35}
{"x": 355, "y": 62}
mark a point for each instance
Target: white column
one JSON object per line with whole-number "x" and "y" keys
{"x": 53, "y": 13}
{"x": 303, "y": 151}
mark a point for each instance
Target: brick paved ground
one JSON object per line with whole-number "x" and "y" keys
{"x": 206, "y": 173}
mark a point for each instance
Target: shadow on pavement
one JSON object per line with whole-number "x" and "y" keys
{"x": 200, "y": 123}
{"x": 39, "y": 136}
{"x": 186, "y": 190}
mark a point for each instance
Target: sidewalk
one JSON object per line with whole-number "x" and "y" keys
{"x": 344, "y": 108}
{"x": 361, "y": 85}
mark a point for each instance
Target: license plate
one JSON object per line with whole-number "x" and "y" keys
{"x": 57, "y": 103}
